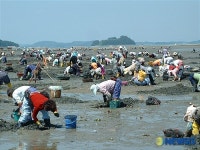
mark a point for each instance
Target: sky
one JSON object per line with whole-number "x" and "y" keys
{"x": 30, "y": 21}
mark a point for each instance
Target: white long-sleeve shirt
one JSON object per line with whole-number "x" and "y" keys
{"x": 18, "y": 94}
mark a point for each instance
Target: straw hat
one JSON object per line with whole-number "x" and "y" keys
{"x": 94, "y": 88}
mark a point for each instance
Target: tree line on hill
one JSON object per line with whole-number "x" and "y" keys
{"x": 122, "y": 40}
{"x": 8, "y": 43}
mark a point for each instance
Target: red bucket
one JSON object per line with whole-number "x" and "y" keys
{"x": 20, "y": 74}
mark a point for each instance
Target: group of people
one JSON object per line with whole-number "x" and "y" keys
{"x": 30, "y": 102}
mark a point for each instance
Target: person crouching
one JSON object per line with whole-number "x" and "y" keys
{"x": 110, "y": 89}
{"x": 42, "y": 104}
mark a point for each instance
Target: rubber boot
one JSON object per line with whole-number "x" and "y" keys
{"x": 151, "y": 80}
{"x": 47, "y": 123}
{"x": 194, "y": 87}
{"x": 188, "y": 133}
{"x": 105, "y": 98}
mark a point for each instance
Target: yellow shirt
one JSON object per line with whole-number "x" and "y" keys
{"x": 141, "y": 75}
{"x": 195, "y": 128}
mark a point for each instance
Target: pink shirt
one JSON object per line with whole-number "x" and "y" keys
{"x": 107, "y": 87}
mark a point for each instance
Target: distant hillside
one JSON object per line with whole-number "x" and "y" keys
{"x": 52, "y": 44}
{"x": 8, "y": 43}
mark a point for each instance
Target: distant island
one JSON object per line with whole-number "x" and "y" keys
{"x": 122, "y": 40}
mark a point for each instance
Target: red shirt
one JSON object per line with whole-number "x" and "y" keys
{"x": 38, "y": 101}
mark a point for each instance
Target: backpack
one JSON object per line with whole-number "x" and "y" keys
{"x": 174, "y": 133}
{"x": 152, "y": 101}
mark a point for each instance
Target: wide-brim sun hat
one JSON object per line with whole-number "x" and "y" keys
{"x": 94, "y": 88}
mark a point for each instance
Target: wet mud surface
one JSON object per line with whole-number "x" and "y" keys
{"x": 134, "y": 126}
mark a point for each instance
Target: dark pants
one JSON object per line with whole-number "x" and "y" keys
{"x": 117, "y": 89}
{"x": 5, "y": 79}
{"x": 76, "y": 70}
{"x": 192, "y": 80}
{"x": 26, "y": 71}
{"x": 180, "y": 72}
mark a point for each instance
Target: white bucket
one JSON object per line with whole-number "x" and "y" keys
{"x": 55, "y": 91}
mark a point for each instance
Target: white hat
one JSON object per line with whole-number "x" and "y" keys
{"x": 174, "y": 53}
{"x": 94, "y": 88}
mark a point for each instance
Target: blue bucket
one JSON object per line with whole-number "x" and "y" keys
{"x": 70, "y": 121}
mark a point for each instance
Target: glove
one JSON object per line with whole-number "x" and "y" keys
{"x": 56, "y": 114}
{"x": 39, "y": 124}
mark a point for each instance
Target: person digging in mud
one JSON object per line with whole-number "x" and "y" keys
{"x": 28, "y": 99}
{"x": 3, "y": 58}
{"x": 21, "y": 100}
{"x": 74, "y": 64}
{"x": 196, "y": 122}
{"x": 110, "y": 89}
{"x": 188, "y": 118}
{"x": 34, "y": 70}
{"x": 97, "y": 70}
{"x": 43, "y": 104}
{"x": 4, "y": 78}
{"x": 195, "y": 81}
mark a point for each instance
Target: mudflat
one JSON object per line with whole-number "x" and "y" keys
{"x": 134, "y": 127}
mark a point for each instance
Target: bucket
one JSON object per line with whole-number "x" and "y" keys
{"x": 70, "y": 121}
{"x": 114, "y": 104}
{"x": 55, "y": 91}
{"x": 20, "y": 74}
{"x": 15, "y": 116}
{"x": 9, "y": 64}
